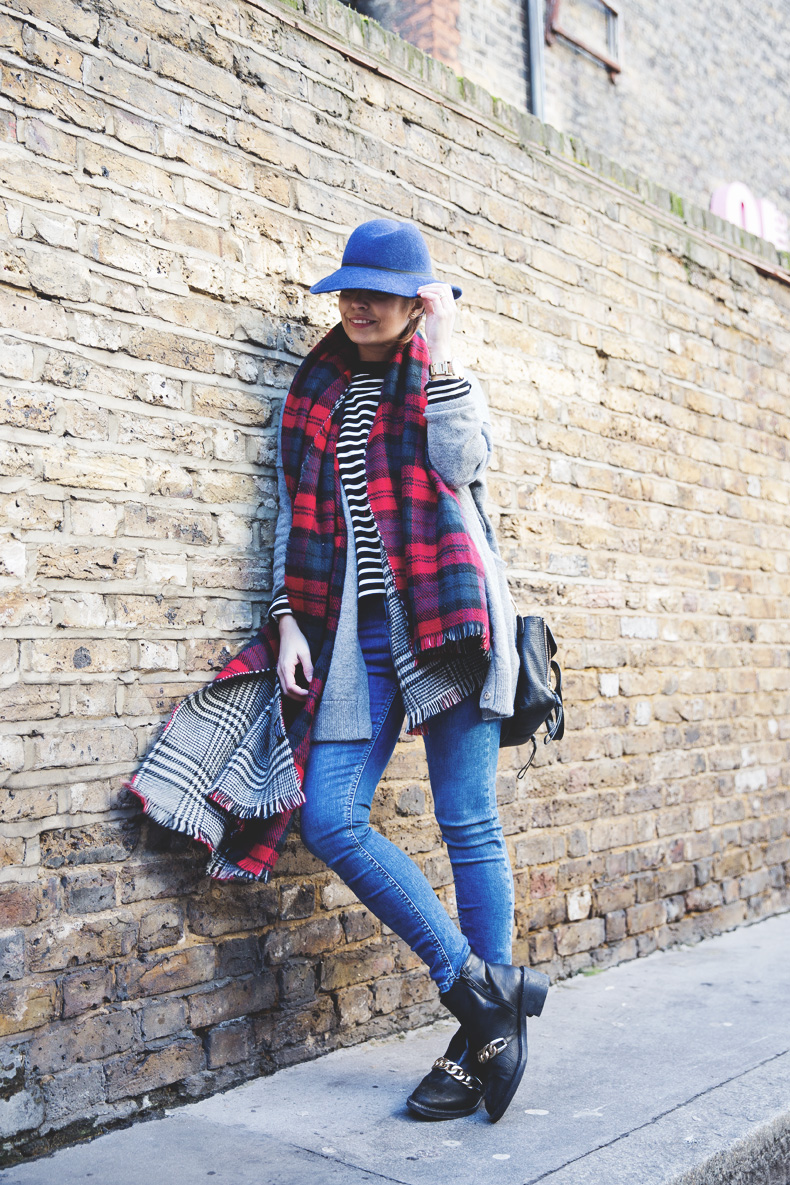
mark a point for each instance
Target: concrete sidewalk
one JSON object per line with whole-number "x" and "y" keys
{"x": 671, "y": 1069}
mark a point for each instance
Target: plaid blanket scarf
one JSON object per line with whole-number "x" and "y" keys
{"x": 228, "y": 767}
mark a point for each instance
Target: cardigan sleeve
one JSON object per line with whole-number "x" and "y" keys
{"x": 282, "y": 531}
{"x": 459, "y": 441}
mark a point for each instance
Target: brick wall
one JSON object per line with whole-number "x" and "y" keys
{"x": 485, "y": 40}
{"x": 494, "y": 47}
{"x": 172, "y": 180}
{"x": 432, "y": 25}
{"x": 699, "y": 102}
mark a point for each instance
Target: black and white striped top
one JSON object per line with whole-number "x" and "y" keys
{"x": 359, "y": 409}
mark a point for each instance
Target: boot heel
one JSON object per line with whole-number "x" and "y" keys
{"x": 536, "y": 987}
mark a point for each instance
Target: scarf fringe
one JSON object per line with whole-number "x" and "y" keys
{"x": 166, "y": 819}
{"x": 417, "y": 718}
{"x": 222, "y": 869}
{"x": 288, "y": 800}
{"x": 455, "y": 634}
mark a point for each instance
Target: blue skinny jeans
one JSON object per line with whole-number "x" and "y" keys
{"x": 462, "y": 751}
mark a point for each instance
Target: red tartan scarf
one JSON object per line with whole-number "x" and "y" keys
{"x": 437, "y": 569}
{"x": 438, "y": 573}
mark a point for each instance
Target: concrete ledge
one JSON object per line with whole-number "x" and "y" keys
{"x": 670, "y": 1070}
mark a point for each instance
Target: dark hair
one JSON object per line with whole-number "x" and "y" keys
{"x": 411, "y": 329}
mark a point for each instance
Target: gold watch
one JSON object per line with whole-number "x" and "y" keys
{"x": 443, "y": 370}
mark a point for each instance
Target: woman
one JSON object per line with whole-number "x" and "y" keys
{"x": 385, "y": 284}
{"x": 391, "y": 602}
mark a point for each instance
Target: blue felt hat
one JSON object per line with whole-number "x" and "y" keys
{"x": 385, "y": 256}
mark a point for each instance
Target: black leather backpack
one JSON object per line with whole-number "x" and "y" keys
{"x": 536, "y": 702}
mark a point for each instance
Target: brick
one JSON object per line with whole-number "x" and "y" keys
{"x": 645, "y": 917}
{"x": 386, "y": 995}
{"x": 105, "y": 473}
{"x": 232, "y": 908}
{"x": 543, "y": 884}
{"x": 315, "y": 937}
{"x": 78, "y": 941}
{"x": 72, "y": 1094}
{"x": 24, "y": 802}
{"x": 240, "y": 997}
{"x": 297, "y": 981}
{"x": 347, "y": 968}
{"x": 162, "y": 1018}
{"x": 580, "y": 936}
{"x": 152, "y": 974}
{"x": 579, "y": 904}
{"x": 541, "y": 947}
{"x": 354, "y": 1005}
{"x": 150, "y": 522}
{"x": 359, "y": 924}
{"x": 89, "y": 892}
{"x": 87, "y": 563}
{"x": 28, "y": 409}
{"x": 27, "y": 1006}
{"x": 12, "y": 955}
{"x": 546, "y": 912}
{"x": 165, "y": 877}
{"x": 103, "y": 75}
{"x": 228, "y": 1044}
{"x": 161, "y": 926}
{"x": 297, "y": 901}
{"x": 136, "y": 1073}
{"x": 84, "y": 990}
{"x": 26, "y": 903}
{"x": 98, "y": 843}
{"x": 539, "y": 849}
{"x": 83, "y": 746}
{"x": 49, "y": 657}
{"x": 239, "y": 956}
{"x": 82, "y": 1041}
{"x": 28, "y": 702}
{"x": 703, "y": 898}
{"x": 20, "y": 1113}
{"x": 12, "y": 850}
{"x": 293, "y": 1027}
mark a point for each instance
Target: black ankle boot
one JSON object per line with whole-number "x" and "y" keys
{"x": 452, "y": 1088}
{"x": 492, "y": 1001}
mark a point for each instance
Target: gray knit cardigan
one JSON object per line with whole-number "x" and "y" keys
{"x": 459, "y": 445}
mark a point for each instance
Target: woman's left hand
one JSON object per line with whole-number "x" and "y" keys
{"x": 439, "y": 319}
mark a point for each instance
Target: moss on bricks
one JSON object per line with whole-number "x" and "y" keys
{"x": 579, "y": 151}
{"x": 676, "y": 204}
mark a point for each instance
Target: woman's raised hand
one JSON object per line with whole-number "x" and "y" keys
{"x": 294, "y": 649}
{"x": 439, "y": 319}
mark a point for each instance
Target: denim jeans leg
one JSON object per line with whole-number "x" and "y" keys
{"x": 462, "y": 751}
{"x": 340, "y": 782}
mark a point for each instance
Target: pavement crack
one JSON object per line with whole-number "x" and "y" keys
{"x": 373, "y": 1173}
{"x": 648, "y": 1123}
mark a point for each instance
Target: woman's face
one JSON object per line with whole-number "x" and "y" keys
{"x": 374, "y": 320}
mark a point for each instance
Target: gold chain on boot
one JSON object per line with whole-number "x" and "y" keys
{"x": 492, "y": 1049}
{"x": 457, "y": 1072}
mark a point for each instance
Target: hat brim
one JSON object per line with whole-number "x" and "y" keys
{"x": 377, "y": 280}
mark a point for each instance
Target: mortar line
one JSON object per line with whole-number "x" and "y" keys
{"x": 662, "y": 1115}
